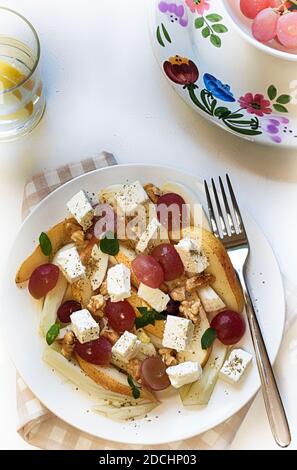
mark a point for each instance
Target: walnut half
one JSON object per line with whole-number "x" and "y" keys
{"x": 178, "y": 293}
{"x": 153, "y": 192}
{"x": 191, "y": 309}
{"x": 68, "y": 343}
{"x": 78, "y": 237}
{"x": 168, "y": 356}
{"x": 96, "y": 305}
{"x": 133, "y": 368}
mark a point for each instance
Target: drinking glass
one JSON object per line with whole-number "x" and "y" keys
{"x": 22, "y": 100}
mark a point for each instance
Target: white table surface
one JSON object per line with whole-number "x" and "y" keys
{"x": 105, "y": 91}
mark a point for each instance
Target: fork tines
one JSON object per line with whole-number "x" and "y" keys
{"x": 224, "y": 213}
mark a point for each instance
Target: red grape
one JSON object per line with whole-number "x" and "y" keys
{"x": 153, "y": 373}
{"x": 170, "y": 261}
{"x": 170, "y": 211}
{"x": 96, "y": 352}
{"x": 148, "y": 271}
{"x": 66, "y": 309}
{"x": 250, "y": 8}
{"x": 229, "y": 326}
{"x": 43, "y": 279}
{"x": 172, "y": 308}
{"x": 121, "y": 315}
{"x": 265, "y": 25}
{"x": 287, "y": 30}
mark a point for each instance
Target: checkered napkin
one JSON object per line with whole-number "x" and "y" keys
{"x": 37, "y": 425}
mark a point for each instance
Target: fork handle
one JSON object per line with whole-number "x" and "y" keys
{"x": 273, "y": 403}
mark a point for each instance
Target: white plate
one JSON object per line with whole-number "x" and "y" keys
{"x": 225, "y": 67}
{"x": 170, "y": 421}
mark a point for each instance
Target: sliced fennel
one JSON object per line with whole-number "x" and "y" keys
{"x": 70, "y": 370}
{"x": 73, "y": 373}
{"x": 51, "y": 304}
{"x": 200, "y": 392}
{"x": 124, "y": 412}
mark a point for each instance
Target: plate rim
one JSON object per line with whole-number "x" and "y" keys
{"x": 186, "y": 435}
{"x": 151, "y": 14}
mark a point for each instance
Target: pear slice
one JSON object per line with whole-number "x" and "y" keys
{"x": 111, "y": 379}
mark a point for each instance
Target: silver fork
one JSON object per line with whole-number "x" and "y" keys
{"x": 228, "y": 226}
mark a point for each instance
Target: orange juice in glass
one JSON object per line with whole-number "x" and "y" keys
{"x": 22, "y": 101}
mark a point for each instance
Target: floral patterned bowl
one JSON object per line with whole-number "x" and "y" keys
{"x": 221, "y": 75}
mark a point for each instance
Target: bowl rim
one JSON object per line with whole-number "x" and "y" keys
{"x": 259, "y": 45}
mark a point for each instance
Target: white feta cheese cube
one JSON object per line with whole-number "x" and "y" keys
{"x": 184, "y": 373}
{"x": 126, "y": 347}
{"x": 130, "y": 196}
{"x": 118, "y": 282}
{"x": 84, "y": 326}
{"x": 154, "y": 297}
{"x": 70, "y": 264}
{"x": 178, "y": 333}
{"x": 235, "y": 366}
{"x": 210, "y": 299}
{"x": 192, "y": 256}
{"x": 81, "y": 209}
{"x": 150, "y": 237}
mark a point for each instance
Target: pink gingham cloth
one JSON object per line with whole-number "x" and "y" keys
{"x": 41, "y": 428}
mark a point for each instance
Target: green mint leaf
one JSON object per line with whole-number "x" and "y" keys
{"x": 206, "y": 32}
{"x": 136, "y": 393}
{"x": 215, "y": 40}
{"x": 52, "y": 333}
{"x": 219, "y": 28}
{"x": 148, "y": 317}
{"x": 208, "y": 338}
{"x": 272, "y": 92}
{"x": 284, "y": 99}
{"x": 145, "y": 319}
{"x": 109, "y": 244}
{"x": 130, "y": 381}
{"x": 280, "y": 108}
{"x": 199, "y": 22}
{"x": 45, "y": 244}
{"x": 214, "y": 17}
{"x": 160, "y": 316}
{"x": 134, "y": 388}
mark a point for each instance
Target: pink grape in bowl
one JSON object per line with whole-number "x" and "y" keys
{"x": 270, "y": 25}
{"x": 250, "y": 8}
{"x": 272, "y": 20}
